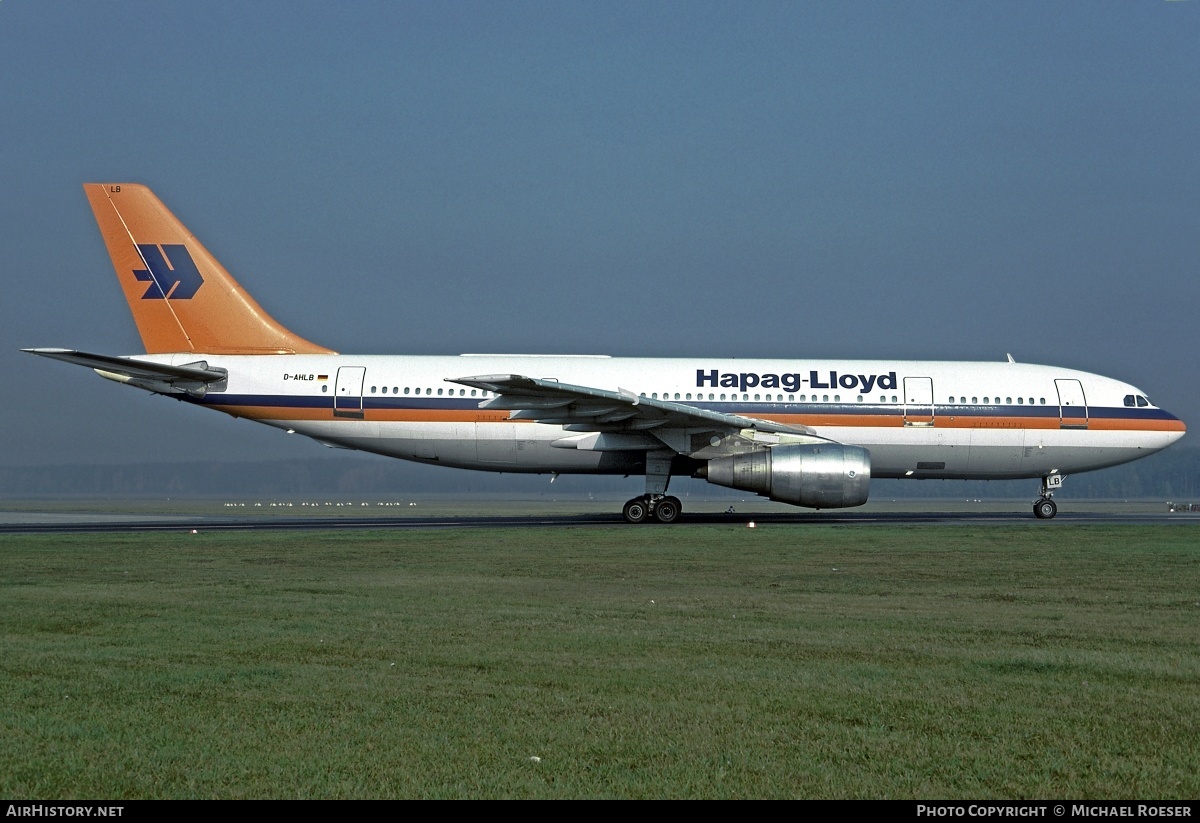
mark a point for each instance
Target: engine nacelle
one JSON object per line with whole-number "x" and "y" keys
{"x": 822, "y": 476}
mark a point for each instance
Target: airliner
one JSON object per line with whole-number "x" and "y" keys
{"x": 811, "y": 433}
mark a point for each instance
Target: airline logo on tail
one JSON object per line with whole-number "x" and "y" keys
{"x": 171, "y": 272}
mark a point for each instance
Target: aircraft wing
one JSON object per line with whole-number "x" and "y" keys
{"x": 586, "y": 409}
{"x": 190, "y": 378}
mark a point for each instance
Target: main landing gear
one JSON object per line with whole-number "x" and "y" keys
{"x": 664, "y": 509}
{"x": 655, "y": 504}
{"x": 1044, "y": 507}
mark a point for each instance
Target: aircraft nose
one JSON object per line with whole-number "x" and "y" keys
{"x": 1175, "y": 428}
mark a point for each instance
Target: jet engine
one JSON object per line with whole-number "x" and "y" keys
{"x": 821, "y": 476}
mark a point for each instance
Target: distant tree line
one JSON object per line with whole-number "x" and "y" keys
{"x": 1173, "y": 474}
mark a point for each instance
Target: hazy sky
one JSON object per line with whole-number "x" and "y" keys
{"x": 862, "y": 179}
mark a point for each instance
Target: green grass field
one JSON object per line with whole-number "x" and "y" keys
{"x": 713, "y": 661}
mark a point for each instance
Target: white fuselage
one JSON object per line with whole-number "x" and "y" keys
{"x": 917, "y": 419}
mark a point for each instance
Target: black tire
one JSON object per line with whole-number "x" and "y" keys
{"x": 667, "y": 510}
{"x": 1045, "y": 509}
{"x": 636, "y": 510}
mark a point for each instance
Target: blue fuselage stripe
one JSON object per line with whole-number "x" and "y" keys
{"x": 751, "y": 408}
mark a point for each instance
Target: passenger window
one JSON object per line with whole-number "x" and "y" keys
{"x": 974, "y": 399}
{"x": 1020, "y": 401}
{"x": 1008, "y": 400}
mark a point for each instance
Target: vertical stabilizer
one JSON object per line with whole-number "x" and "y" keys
{"x": 182, "y": 299}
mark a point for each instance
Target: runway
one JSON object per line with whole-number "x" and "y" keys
{"x": 96, "y": 523}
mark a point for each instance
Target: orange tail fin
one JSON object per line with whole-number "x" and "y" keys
{"x": 182, "y": 299}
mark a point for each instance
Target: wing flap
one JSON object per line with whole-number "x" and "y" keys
{"x": 583, "y": 408}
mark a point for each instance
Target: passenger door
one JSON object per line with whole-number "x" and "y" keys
{"x": 918, "y": 401}
{"x": 1072, "y": 404}
{"x": 347, "y": 392}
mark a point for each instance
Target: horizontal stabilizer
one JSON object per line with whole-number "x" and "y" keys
{"x": 190, "y": 378}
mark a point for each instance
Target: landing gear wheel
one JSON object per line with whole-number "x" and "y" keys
{"x": 1045, "y": 509}
{"x": 636, "y": 510}
{"x": 667, "y": 510}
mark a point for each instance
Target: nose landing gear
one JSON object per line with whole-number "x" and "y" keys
{"x": 1044, "y": 508}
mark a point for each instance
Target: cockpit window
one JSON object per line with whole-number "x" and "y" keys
{"x": 1141, "y": 401}
{"x": 1129, "y": 400}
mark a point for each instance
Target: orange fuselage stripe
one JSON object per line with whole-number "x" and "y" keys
{"x": 282, "y": 413}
